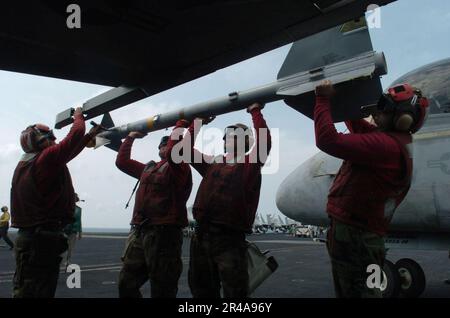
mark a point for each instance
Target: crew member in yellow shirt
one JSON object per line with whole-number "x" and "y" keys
{"x": 4, "y": 226}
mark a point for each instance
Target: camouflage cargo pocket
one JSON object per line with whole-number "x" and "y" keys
{"x": 131, "y": 239}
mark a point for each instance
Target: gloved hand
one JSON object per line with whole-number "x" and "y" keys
{"x": 325, "y": 89}
{"x": 183, "y": 123}
{"x": 206, "y": 121}
{"x": 254, "y": 106}
{"x": 136, "y": 135}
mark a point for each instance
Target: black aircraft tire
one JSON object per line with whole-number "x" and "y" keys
{"x": 412, "y": 278}
{"x": 391, "y": 287}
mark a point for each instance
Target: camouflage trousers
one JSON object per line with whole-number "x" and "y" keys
{"x": 218, "y": 259}
{"x": 152, "y": 254}
{"x": 37, "y": 263}
{"x": 351, "y": 251}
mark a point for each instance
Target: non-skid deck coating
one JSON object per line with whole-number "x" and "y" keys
{"x": 304, "y": 268}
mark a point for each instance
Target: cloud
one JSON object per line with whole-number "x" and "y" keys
{"x": 9, "y": 156}
{"x": 9, "y": 153}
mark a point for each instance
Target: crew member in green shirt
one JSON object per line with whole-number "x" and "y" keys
{"x": 73, "y": 231}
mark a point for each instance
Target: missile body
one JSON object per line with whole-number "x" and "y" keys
{"x": 365, "y": 66}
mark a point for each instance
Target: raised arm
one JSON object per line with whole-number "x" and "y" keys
{"x": 260, "y": 126}
{"x": 368, "y": 148}
{"x": 175, "y": 138}
{"x": 124, "y": 162}
{"x": 180, "y": 171}
{"x": 85, "y": 141}
{"x": 199, "y": 161}
{"x": 63, "y": 152}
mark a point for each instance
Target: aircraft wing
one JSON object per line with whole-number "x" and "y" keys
{"x": 159, "y": 43}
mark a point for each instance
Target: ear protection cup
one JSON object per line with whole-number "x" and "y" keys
{"x": 409, "y": 106}
{"x": 403, "y": 122}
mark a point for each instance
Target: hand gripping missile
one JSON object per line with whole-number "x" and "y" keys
{"x": 362, "y": 67}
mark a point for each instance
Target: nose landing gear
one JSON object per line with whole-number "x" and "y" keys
{"x": 405, "y": 279}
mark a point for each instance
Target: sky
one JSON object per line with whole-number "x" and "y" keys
{"x": 412, "y": 33}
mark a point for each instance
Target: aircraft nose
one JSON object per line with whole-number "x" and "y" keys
{"x": 302, "y": 196}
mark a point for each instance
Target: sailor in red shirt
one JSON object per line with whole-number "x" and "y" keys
{"x": 225, "y": 208}
{"x": 373, "y": 180}
{"x": 42, "y": 203}
{"x": 153, "y": 249}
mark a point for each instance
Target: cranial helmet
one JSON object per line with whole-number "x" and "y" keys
{"x": 33, "y": 136}
{"x": 409, "y": 107}
{"x": 164, "y": 141}
{"x": 238, "y": 129}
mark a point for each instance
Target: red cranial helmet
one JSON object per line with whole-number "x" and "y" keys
{"x": 234, "y": 131}
{"x": 33, "y": 136}
{"x": 410, "y": 108}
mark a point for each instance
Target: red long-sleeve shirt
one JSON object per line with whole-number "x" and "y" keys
{"x": 135, "y": 168}
{"x": 253, "y": 156}
{"x": 53, "y": 159}
{"x": 364, "y": 145}
{"x": 164, "y": 189}
{"x": 41, "y": 189}
{"x": 233, "y": 199}
{"x": 375, "y": 175}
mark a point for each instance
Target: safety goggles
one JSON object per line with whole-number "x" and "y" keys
{"x": 387, "y": 105}
{"x": 45, "y": 133}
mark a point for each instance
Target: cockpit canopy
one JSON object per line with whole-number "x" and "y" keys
{"x": 434, "y": 81}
